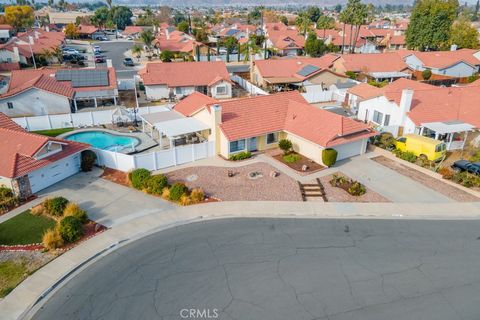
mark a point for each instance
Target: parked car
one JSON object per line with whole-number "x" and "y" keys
{"x": 97, "y": 49}
{"x": 422, "y": 147}
{"x": 128, "y": 62}
{"x": 99, "y": 59}
{"x": 73, "y": 57}
{"x": 70, "y": 51}
{"x": 129, "y": 38}
{"x": 464, "y": 165}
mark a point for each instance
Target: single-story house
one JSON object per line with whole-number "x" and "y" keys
{"x": 258, "y": 123}
{"x": 285, "y": 40}
{"x": 179, "y": 79}
{"x": 132, "y": 31}
{"x": 376, "y": 66}
{"x": 460, "y": 63}
{"x": 175, "y": 41}
{"x": 89, "y": 32}
{"x": 35, "y": 92}
{"x": 6, "y": 32}
{"x": 32, "y": 162}
{"x": 406, "y": 106}
{"x": 295, "y": 72}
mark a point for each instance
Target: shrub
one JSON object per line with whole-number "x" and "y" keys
{"x": 37, "y": 210}
{"x": 197, "y": 195}
{"x": 385, "y": 140}
{"x": 5, "y": 192}
{"x": 177, "y": 191}
{"x": 352, "y": 75}
{"x": 286, "y": 145}
{"x": 138, "y": 178}
{"x": 185, "y": 200}
{"x": 291, "y": 158}
{"x": 329, "y": 156}
{"x": 55, "y": 206}
{"x": 466, "y": 179}
{"x": 7, "y": 199}
{"x": 52, "y": 239}
{"x": 357, "y": 189}
{"x": 156, "y": 184}
{"x": 240, "y": 156}
{"x": 87, "y": 160}
{"x": 166, "y": 193}
{"x": 475, "y": 157}
{"x": 72, "y": 209}
{"x": 426, "y": 74}
{"x": 446, "y": 173}
{"x": 70, "y": 229}
{"x": 405, "y": 155}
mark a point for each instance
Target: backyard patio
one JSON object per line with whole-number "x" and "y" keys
{"x": 258, "y": 181}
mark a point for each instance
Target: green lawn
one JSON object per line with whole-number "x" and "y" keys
{"x": 24, "y": 229}
{"x": 53, "y": 132}
{"x": 11, "y": 274}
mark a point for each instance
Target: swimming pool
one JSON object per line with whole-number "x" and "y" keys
{"x": 104, "y": 140}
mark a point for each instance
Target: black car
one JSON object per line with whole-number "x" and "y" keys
{"x": 128, "y": 62}
{"x": 464, "y": 165}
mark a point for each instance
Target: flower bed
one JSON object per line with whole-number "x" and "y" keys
{"x": 353, "y": 187}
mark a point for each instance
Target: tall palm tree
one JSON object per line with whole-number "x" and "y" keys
{"x": 137, "y": 51}
{"x": 147, "y": 38}
{"x": 325, "y": 22}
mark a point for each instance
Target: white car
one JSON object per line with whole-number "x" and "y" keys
{"x": 97, "y": 48}
{"x": 70, "y": 51}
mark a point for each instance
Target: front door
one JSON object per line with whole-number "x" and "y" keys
{"x": 252, "y": 144}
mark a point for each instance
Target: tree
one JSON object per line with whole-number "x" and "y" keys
{"x": 178, "y": 17}
{"x": 325, "y": 22}
{"x": 100, "y": 17}
{"x": 313, "y": 13}
{"x": 166, "y": 56}
{"x": 426, "y": 74}
{"x": 338, "y": 8}
{"x": 109, "y": 4}
{"x": 71, "y": 31}
{"x": 230, "y": 43}
{"x": 255, "y": 15}
{"x": 147, "y": 38}
{"x": 303, "y": 23}
{"x": 464, "y": 35}
{"x": 475, "y": 13}
{"x": 19, "y": 17}
{"x": 137, "y": 51}
{"x": 121, "y": 16}
{"x": 183, "y": 26}
{"x": 201, "y": 35}
{"x": 314, "y": 46}
{"x": 430, "y": 23}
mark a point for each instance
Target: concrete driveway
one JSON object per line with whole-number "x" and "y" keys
{"x": 284, "y": 269}
{"x": 106, "y": 202}
{"x": 389, "y": 183}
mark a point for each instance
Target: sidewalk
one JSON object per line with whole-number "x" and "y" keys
{"x": 27, "y": 293}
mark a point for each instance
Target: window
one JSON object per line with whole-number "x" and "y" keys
{"x": 377, "y": 117}
{"x": 238, "y": 145}
{"x": 178, "y": 90}
{"x": 221, "y": 90}
{"x": 402, "y": 139}
{"x": 387, "y": 120}
{"x": 440, "y": 147}
{"x": 272, "y": 137}
{"x": 10, "y": 105}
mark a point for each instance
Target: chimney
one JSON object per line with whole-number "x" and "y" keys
{"x": 47, "y": 28}
{"x": 217, "y": 121}
{"x": 167, "y": 33}
{"x": 16, "y": 54}
{"x": 405, "y": 104}
{"x": 36, "y": 35}
{"x": 109, "y": 63}
{"x": 329, "y": 39}
{"x": 30, "y": 40}
{"x": 453, "y": 47}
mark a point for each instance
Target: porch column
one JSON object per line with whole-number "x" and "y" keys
{"x": 114, "y": 100}
{"x": 75, "y": 104}
{"x": 464, "y": 138}
{"x": 160, "y": 134}
{"x": 171, "y": 142}
{"x": 450, "y": 139}
{"x": 436, "y": 136}
{"x": 421, "y": 130}
{"x": 96, "y": 103}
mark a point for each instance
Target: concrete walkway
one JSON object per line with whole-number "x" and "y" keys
{"x": 27, "y": 293}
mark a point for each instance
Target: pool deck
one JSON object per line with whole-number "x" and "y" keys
{"x": 145, "y": 141}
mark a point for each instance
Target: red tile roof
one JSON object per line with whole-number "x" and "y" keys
{"x": 364, "y": 90}
{"x": 373, "y": 62}
{"x": 132, "y": 30}
{"x": 44, "y": 79}
{"x": 42, "y": 41}
{"x": 86, "y": 29}
{"x": 18, "y": 148}
{"x": 288, "y": 111}
{"x": 444, "y": 59}
{"x": 176, "y": 41}
{"x": 283, "y": 37}
{"x": 182, "y": 74}
{"x": 283, "y": 68}
{"x": 193, "y": 103}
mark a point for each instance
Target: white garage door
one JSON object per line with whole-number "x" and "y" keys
{"x": 348, "y": 150}
{"x": 46, "y": 176}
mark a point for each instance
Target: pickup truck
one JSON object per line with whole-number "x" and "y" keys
{"x": 464, "y": 165}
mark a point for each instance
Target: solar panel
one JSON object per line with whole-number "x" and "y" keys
{"x": 231, "y": 32}
{"x": 84, "y": 77}
{"x": 307, "y": 70}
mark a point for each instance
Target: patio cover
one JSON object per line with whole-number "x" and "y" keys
{"x": 393, "y": 74}
{"x": 178, "y": 127}
{"x": 158, "y": 117}
{"x": 448, "y": 126}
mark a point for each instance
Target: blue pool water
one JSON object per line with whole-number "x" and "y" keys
{"x": 104, "y": 140}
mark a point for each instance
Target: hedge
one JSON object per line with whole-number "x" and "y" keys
{"x": 329, "y": 156}
{"x": 177, "y": 191}
{"x": 155, "y": 184}
{"x": 138, "y": 177}
{"x": 70, "y": 229}
{"x": 55, "y": 206}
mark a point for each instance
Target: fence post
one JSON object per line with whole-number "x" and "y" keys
{"x": 49, "y": 122}
{"x": 91, "y": 118}
{"x": 26, "y": 122}
{"x": 116, "y": 160}
{"x": 154, "y": 160}
{"x": 174, "y": 156}
{"x": 71, "y": 120}
{"x": 193, "y": 152}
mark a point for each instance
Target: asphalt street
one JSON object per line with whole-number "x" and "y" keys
{"x": 284, "y": 269}
{"x": 115, "y": 50}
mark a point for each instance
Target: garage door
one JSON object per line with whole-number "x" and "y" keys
{"x": 348, "y": 150}
{"x": 46, "y": 176}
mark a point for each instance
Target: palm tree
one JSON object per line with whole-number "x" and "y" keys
{"x": 147, "y": 38}
{"x": 303, "y": 23}
{"x": 137, "y": 51}
{"x": 325, "y": 22}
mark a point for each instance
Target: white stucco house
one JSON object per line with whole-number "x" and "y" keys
{"x": 32, "y": 162}
{"x": 406, "y": 106}
{"x": 176, "y": 80}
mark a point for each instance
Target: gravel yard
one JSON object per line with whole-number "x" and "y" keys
{"x": 216, "y": 183}
{"x": 335, "y": 194}
{"x": 448, "y": 190}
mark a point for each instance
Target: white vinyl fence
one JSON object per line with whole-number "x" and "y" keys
{"x": 80, "y": 119}
{"x": 126, "y": 84}
{"x": 318, "y": 96}
{"x": 248, "y": 86}
{"x": 155, "y": 160}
